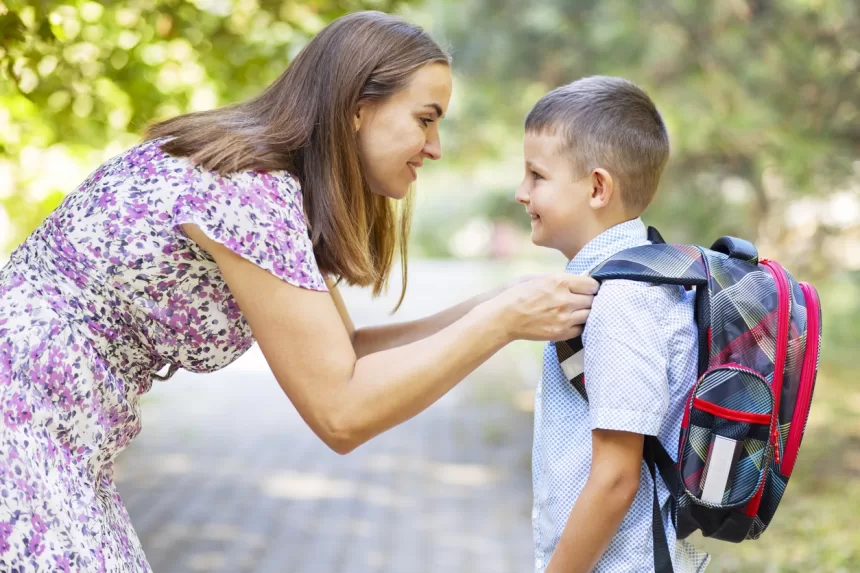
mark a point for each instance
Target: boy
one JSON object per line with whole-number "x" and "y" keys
{"x": 594, "y": 153}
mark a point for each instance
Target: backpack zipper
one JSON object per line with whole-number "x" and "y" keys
{"x": 807, "y": 379}
{"x": 783, "y": 302}
{"x": 729, "y": 414}
{"x": 783, "y": 305}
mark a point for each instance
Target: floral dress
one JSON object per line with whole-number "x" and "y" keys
{"x": 105, "y": 294}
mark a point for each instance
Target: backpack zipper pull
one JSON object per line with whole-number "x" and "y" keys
{"x": 776, "y": 448}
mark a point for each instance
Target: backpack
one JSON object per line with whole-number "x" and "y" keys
{"x": 759, "y": 336}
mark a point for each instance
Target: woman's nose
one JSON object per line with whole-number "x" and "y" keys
{"x": 433, "y": 146}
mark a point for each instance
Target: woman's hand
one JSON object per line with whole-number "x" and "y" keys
{"x": 546, "y": 307}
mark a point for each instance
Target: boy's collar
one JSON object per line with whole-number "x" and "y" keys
{"x": 610, "y": 242}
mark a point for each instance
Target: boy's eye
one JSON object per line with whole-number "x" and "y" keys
{"x": 536, "y": 175}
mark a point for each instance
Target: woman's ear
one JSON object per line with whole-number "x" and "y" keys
{"x": 359, "y": 115}
{"x": 602, "y": 188}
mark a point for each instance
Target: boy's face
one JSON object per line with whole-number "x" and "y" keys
{"x": 557, "y": 203}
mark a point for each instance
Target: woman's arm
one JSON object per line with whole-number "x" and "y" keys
{"x": 347, "y": 400}
{"x": 369, "y": 339}
{"x": 341, "y": 308}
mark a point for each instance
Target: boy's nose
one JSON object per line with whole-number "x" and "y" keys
{"x": 522, "y": 194}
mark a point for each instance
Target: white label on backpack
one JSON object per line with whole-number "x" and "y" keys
{"x": 720, "y": 462}
{"x": 574, "y": 366}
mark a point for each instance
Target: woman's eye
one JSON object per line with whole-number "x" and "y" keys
{"x": 426, "y": 121}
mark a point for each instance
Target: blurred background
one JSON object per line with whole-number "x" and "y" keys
{"x": 761, "y": 99}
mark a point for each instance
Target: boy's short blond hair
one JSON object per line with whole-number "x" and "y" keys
{"x": 610, "y": 123}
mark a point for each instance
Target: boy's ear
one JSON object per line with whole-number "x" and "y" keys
{"x": 602, "y": 188}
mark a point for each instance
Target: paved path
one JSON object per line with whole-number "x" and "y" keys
{"x": 225, "y": 476}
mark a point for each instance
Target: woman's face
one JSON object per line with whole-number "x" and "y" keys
{"x": 397, "y": 135}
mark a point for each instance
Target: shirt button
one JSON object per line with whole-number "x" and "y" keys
{"x": 534, "y": 513}
{"x": 538, "y": 563}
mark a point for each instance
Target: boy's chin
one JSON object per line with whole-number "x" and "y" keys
{"x": 539, "y": 239}
{"x": 547, "y": 241}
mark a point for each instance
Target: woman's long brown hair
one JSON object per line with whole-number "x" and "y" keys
{"x": 303, "y": 123}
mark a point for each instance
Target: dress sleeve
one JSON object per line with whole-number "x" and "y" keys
{"x": 257, "y": 215}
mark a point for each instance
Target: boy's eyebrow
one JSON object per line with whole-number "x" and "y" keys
{"x": 437, "y": 108}
{"x": 531, "y": 165}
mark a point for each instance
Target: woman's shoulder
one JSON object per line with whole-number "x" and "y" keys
{"x": 259, "y": 216}
{"x": 149, "y": 163}
{"x": 266, "y": 194}
{"x": 278, "y": 186}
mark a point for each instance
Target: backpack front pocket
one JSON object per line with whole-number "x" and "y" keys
{"x": 726, "y": 436}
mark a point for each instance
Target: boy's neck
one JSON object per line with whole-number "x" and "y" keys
{"x": 595, "y": 228}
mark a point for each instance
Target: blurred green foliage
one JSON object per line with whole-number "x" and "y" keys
{"x": 86, "y": 77}
{"x": 761, "y": 99}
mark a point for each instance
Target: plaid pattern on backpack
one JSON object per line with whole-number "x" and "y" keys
{"x": 759, "y": 342}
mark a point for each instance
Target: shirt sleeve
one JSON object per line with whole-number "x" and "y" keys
{"x": 626, "y": 358}
{"x": 257, "y": 215}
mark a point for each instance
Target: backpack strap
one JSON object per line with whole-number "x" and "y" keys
{"x": 668, "y": 264}
{"x": 656, "y": 263}
{"x": 655, "y": 237}
{"x": 659, "y": 263}
{"x": 654, "y": 451}
{"x": 571, "y": 358}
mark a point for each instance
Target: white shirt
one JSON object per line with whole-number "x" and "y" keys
{"x": 640, "y": 362}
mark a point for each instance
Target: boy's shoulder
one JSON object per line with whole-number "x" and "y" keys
{"x": 620, "y": 295}
{"x": 638, "y": 312}
{"x": 627, "y": 338}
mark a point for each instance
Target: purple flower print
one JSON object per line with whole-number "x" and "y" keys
{"x": 35, "y": 546}
{"x": 5, "y": 532}
{"x": 107, "y": 200}
{"x": 62, "y": 563}
{"x": 96, "y": 300}
{"x": 38, "y": 524}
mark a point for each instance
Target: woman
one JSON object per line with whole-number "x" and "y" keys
{"x": 223, "y": 228}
